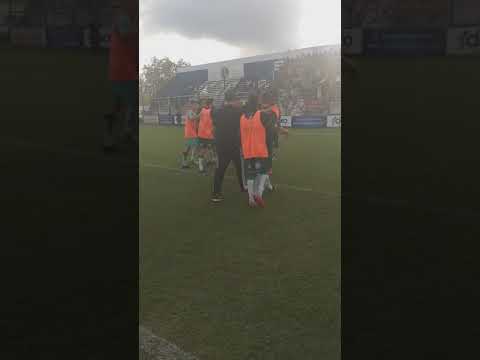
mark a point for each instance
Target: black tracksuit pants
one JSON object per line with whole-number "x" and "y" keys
{"x": 227, "y": 154}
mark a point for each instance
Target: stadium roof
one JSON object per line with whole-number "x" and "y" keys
{"x": 273, "y": 56}
{"x": 259, "y": 67}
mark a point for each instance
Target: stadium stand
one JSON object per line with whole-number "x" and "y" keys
{"x": 307, "y": 82}
{"x": 216, "y": 90}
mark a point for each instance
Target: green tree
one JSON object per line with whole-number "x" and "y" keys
{"x": 155, "y": 75}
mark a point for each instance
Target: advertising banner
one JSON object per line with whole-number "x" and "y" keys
{"x": 29, "y": 36}
{"x": 334, "y": 121}
{"x": 286, "y": 121}
{"x": 463, "y": 41}
{"x": 352, "y": 41}
{"x": 309, "y": 122}
{"x": 404, "y": 42}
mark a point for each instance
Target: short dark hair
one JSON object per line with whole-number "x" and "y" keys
{"x": 252, "y": 104}
{"x": 269, "y": 96}
{"x": 230, "y": 95}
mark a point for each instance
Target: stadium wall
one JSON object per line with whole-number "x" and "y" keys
{"x": 237, "y": 67}
{"x": 298, "y": 122}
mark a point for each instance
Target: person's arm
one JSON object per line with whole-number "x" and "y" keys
{"x": 214, "y": 114}
{"x": 195, "y": 116}
{"x": 268, "y": 120}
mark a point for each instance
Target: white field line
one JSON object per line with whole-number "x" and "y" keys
{"x": 293, "y": 134}
{"x": 153, "y": 347}
{"x": 281, "y": 186}
{"x": 459, "y": 212}
{"x": 100, "y": 157}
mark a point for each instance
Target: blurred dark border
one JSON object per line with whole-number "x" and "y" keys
{"x": 71, "y": 225}
{"x": 410, "y": 210}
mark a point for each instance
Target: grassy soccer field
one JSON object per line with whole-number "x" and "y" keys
{"x": 224, "y": 281}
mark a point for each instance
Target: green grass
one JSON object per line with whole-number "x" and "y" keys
{"x": 225, "y": 281}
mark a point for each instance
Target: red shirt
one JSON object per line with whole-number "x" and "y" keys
{"x": 123, "y": 63}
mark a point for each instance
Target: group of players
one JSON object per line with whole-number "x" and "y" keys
{"x": 244, "y": 134}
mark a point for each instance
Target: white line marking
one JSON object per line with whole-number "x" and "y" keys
{"x": 153, "y": 347}
{"x": 312, "y": 134}
{"x": 461, "y": 212}
{"x": 284, "y": 186}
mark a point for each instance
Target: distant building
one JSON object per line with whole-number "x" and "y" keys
{"x": 305, "y": 80}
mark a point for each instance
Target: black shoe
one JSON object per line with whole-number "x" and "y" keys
{"x": 216, "y": 198}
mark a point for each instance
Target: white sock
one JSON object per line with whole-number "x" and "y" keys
{"x": 251, "y": 190}
{"x": 244, "y": 181}
{"x": 200, "y": 164}
{"x": 257, "y": 185}
{"x": 268, "y": 183}
{"x": 261, "y": 184}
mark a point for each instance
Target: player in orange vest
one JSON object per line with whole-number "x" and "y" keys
{"x": 255, "y": 127}
{"x": 190, "y": 132}
{"x": 205, "y": 133}
{"x": 123, "y": 73}
{"x": 269, "y": 105}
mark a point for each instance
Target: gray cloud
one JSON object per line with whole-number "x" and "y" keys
{"x": 250, "y": 24}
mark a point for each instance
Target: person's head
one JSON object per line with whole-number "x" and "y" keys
{"x": 194, "y": 105}
{"x": 252, "y": 103}
{"x": 268, "y": 98}
{"x": 209, "y": 102}
{"x": 230, "y": 97}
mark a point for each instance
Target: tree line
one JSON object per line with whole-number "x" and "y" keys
{"x": 155, "y": 75}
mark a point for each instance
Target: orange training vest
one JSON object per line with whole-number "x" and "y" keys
{"x": 253, "y": 137}
{"x": 190, "y": 131}
{"x": 205, "y": 126}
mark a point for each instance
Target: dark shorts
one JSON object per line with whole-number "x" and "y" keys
{"x": 206, "y": 142}
{"x": 275, "y": 139}
{"x": 191, "y": 142}
{"x": 125, "y": 92}
{"x": 255, "y": 166}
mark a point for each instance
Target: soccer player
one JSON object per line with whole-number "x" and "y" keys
{"x": 226, "y": 121}
{"x": 269, "y": 105}
{"x": 190, "y": 132}
{"x": 123, "y": 73}
{"x": 205, "y": 133}
{"x": 255, "y": 126}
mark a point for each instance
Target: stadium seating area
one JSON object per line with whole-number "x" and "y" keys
{"x": 306, "y": 85}
{"x": 216, "y": 90}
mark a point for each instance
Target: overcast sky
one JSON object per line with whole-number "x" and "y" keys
{"x": 203, "y": 31}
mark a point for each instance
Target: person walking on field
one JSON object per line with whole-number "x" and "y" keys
{"x": 226, "y": 122}
{"x": 255, "y": 127}
{"x": 190, "y": 134}
{"x": 205, "y": 134}
{"x": 123, "y": 73}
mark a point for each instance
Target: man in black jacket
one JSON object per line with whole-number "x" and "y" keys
{"x": 226, "y": 122}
